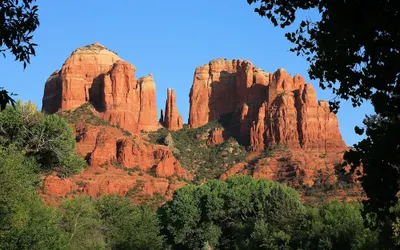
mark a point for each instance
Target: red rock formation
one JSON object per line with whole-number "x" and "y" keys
{"x": 292, "y": 166}
{"x": 216, "y": 137}
{"x": 79, "y": 79}
{"x": 97, "y": 75}
{"x": 117, "y": 164}
{"x": 272, "y": 108}
{"x": 172, "y": 120}
{"x": 257, "y": 131}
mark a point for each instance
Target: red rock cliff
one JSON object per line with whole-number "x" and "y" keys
{"x": 97, "y": 75}
{"x": 272, "y": 108}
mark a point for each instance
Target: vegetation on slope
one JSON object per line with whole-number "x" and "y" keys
{"x": 190, "y": 148}
{"x": 47, "y": 139}
{"x": 85, "y": 113}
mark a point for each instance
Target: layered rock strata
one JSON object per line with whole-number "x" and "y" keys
{"x": 272, "y": 108}
{"x": 97, "y": 75}
{"x": 117, "y": 164}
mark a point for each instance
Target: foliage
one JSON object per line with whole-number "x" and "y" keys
{"x": 395, "y": 226}
{"x": 358, "y": 62}
{"x": 334, "y": 226}
{"x": 128, "y": 226}
{"x": 379, "y": 155}
{"x": 381, "y": 182}
{"x": 18, "y": 20}
{"x": 109, "y": 222}
{"x": 85, "y": 113}
{"x": 362, "y": 59}
{"x": 80, "y": 221}
{"x": 25, "y": 223}
{"x": 240, "y": 213}
{"x": 206, "y": 162}
{"x": 46, "y": 138}
{"x": 223, "y": 215}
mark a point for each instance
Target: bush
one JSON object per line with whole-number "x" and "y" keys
{"x": 223, "y": 215}
{"x": 109, "y": 222}
{"x": 46, "y": 138}
{"x": 334, "y": 225}
{"x": 25, "y": 222}
{"x": 127, "y": 226}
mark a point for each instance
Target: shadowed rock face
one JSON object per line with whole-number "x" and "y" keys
{"x": 271, "y": 108}
{"x": 97, "y": 75}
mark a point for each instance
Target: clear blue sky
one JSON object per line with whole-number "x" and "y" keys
{"x": 167, "y": 38}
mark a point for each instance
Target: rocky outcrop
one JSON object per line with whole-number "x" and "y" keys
{"x": 117, "y": 164}
{"x": 271, "y": 108}
{"x": 172, "y": 120}
{"x": 215, "y": 137}
{"x": 97, "y": 75}
{"x": 295, "y": 167}
{"x": 102, "y": 145}
{"x": 79, "y": 79}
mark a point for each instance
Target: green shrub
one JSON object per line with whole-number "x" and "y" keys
{"x": 25, "y": 222}
{"x": 46, "y": 138}
{"x": 223, "y": 215}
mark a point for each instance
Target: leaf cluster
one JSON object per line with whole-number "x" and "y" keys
{"x": 48, "y": 139}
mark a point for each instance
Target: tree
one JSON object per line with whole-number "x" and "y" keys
{"x": 81, "y": 223}
{"x": 127, "y": 226}
{"x": 333, "y": 226}
{"x": 18, "y": 20}
{"x": 355, "y": 45}
{"x": 46, "y": 138}
{"x": 109, "y": 222}
{"x": 25, "y": 222}
{"x": 223, "y": 215}
{"x": 354, "y": 49}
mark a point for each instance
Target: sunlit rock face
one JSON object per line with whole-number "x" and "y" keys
{"x": 270, "y": 108}
{"x": 97, "y": 75}
{"x": 171, "y": 119}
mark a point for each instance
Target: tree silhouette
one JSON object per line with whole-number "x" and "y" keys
{"x": 354, "y": 50}
{"x": 18, "y": 20}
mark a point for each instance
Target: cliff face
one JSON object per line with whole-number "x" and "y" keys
{"x": 292, "y": 137}
{"x": 118, "y": 163}
{"x": 97, "y": 75}
{"x": 271, "y": 108}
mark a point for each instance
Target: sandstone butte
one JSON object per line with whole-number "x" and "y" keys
{"x": 117, "y": 162}
{"x": 270, "y": 108}
{"x": 267, "y": 109}
{"x": 97, "y": 75}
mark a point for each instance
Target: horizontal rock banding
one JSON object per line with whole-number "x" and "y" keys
{"x": 272, "y": 108}
{"x": 97, "y": 75}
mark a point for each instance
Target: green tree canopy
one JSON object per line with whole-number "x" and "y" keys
{"x": 81, "y": 224}
{"x": 109, "y": 222}
{"x": 334, "y": 226}
{"x": 25, "y": 223}
{"x": 223, "y": 215}
{"x": 128, "y": 226}
{"x": 46, "y": 138}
